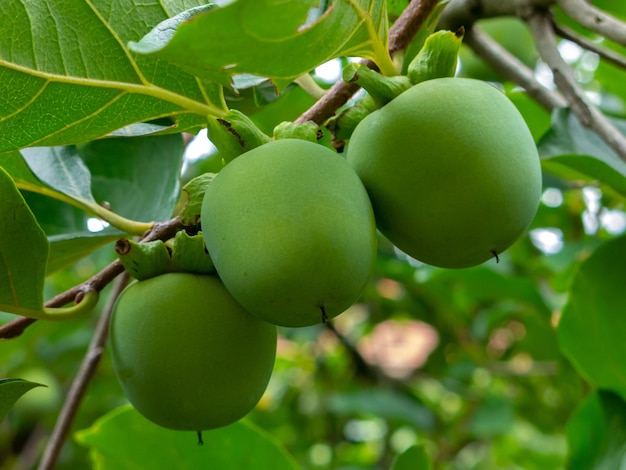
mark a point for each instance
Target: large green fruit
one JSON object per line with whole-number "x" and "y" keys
{"x": 291, "y": 232}
{"x": 452, "y": 171}
{"x": 187, "y": 355}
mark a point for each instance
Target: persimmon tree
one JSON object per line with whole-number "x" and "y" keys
{"x": 519, "y": 362}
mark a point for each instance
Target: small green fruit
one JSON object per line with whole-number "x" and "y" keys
{"x": 291, "y": 232}
{"x": 187, "y": 355}
{"x": 452, "y": 171}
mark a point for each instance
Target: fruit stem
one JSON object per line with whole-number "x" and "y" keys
{"x": 85, "y": 302}
{"x": 382, "y": 89}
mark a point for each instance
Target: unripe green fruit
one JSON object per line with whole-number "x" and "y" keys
{"x": 291, "y": 232}
{"x": 187, "y": 355}
{"x": 452, "y": 171}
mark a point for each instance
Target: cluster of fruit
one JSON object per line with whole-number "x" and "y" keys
{"x": 448, "y": 171}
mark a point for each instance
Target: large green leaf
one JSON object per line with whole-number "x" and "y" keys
{"x": 23, "y": 252}
{"x": 67, "y": 75}
{"x": 593, "y": 324}
{"x": 123, "y": 439}
{"x": 572, "y": 150}
{"x": 10, "y": 391}
{"x": 138, "y": 177}
{"x": 596, "y": 433}
{"x": 62, "y": 170}
{"x": 248, "y": 36}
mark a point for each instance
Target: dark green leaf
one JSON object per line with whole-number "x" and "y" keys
{"x": 569, "y": 149}
{"x": 10, "y": 391}
{"x": 593, "y": 325}
{"x": 248, "y": 35}
{"x": 69, "y": 248}
{"x": 62, "y": 169}
{"x": 138, "y": 177}
{"x": 23, "y": 252}
{"x": 596, "y": 433}
{"x": 414, "y": 458}
{"x": 123, "y": 439}
{"x": 71, "y": 73}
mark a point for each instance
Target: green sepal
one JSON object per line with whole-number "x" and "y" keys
{"x": 234, "y": 134}
{"x": 382, "y": 89}
{"x": 189, "y": 255}
{"x": 143, "y": 260}
{"x": 291, "y": 130}
{"x": 191, "y": 199}
{"x": 344, "y": 123}
{"x": 438, "y": 57}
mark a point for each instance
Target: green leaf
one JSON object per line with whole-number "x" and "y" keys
{"x": 571, "y": 150}
{"x": 414, "y": 458}
{"x": 68, "y": 248}
{"x": 67, "y": 68}
{"x": 61, "y": 169}
{"x": 23, "y": 252}
{"x": 138, "y": 177}
{"x": 123, "y": 439}
{"x": 596, "y": 433}
{"x": 248, "y": 36}
{"x": 593, "y": 325}
{"x": 10, "y": 391}
{"x": 66, "y": 229}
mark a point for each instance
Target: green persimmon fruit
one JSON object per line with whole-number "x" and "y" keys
{"x": 187, "y": 355}
{"x": 451, "y": 169}
{"x": 291, "y": 232}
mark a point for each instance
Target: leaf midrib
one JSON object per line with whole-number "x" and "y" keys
{"x": 147, "y": 89}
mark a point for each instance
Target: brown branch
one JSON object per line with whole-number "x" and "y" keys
{"x": 409, "y": 23}
{"x": 466, "y": 12}
{"x": 160, "y": 231}
{"x": 81, "y": 381}
{"x": 595, "y": 19}
{"x": 511, "y": 68}
{"x": 400, "y": 36}
{"x": 540, "y": 25}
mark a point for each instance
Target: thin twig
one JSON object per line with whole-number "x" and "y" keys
{"x": 607, "y": 54}
{"x": 595, "y": 19}
{"x": 81, "y": 381}
{"x": 409, "y": 23}
{"x": 400, "y": 36}
{"x": 540, "y": 25}
{"x": 511, "y": 68}
{"x": 160, "y": 231}
{"x": 16, "y": 327}
{"x": 466, "y": 12}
